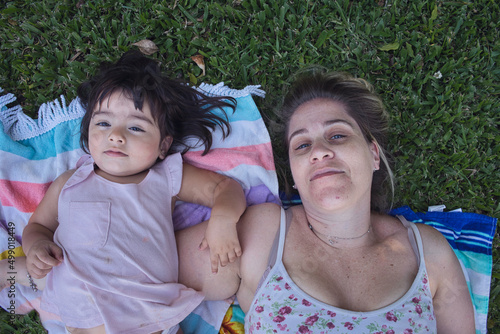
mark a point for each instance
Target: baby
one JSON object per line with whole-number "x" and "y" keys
{"x": 103, "y": 232}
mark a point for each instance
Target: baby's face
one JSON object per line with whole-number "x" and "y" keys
{"x": 123, "y": 140}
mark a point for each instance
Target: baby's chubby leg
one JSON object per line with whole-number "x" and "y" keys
{"x": 14, "y": 271}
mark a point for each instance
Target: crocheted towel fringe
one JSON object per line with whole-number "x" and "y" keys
{"x": 221, "y": 90}
{"x": 20, "y": 126}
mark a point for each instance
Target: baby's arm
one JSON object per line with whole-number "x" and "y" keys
{"x": 226, "y": 198}
{"x": 41, "y": 252}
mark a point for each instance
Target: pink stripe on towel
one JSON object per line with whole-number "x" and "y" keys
{"x": 24, "y": 196}
{"x": 224, "y": 159}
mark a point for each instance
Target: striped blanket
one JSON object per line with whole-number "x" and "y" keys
{"x": 471, "y": 237}
{"x": 33, "y": 152}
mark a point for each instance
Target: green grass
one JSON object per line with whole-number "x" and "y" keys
{"x": 445, "y": 135}
{"x": 20, "y": 324}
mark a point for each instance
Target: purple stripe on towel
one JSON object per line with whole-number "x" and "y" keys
{"x": 189, "y": 214}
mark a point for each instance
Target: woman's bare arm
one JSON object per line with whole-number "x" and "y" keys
{"x": 451, "y": 298}
{"x": 226, "y": 198}
{"x": 257, "y": 229}
{"x": 195, "y": 267}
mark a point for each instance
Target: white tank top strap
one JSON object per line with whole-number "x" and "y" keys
{"x": 279, "y": 240}
{"x": 414, "y": 237}
{"x": 276, "y": 252}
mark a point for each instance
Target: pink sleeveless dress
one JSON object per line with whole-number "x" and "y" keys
{"x": 120, "y": 263}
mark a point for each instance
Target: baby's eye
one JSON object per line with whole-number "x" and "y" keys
{"x": 104, "y": 124}
{"x": 136, "y": 129}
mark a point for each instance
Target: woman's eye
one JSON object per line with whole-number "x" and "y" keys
{"x": 301, "y": 146}
{"x": 337, "y": 137}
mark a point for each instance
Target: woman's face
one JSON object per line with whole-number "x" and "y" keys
{"x": 332, "y": 164}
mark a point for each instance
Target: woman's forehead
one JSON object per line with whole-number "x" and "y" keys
{"x": 322, "y": 111}
{"x": 320, "y": 106}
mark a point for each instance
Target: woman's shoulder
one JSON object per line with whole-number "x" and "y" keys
{"x": 257, "y": 230}
{"x": 259, "y": 222}
{"x": 432, "y": 239}
{"x": 387, "y": 226}
{"x": 435, "y": 245}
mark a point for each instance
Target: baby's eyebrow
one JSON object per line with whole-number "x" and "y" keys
{"x": 139, "y": 116}
{"x": 143, "y": 118}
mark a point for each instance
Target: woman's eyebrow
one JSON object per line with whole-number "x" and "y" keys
{"x": 335, "y": 121}
{"x": 326, "y": 123}
{"x": 296, "y": 133}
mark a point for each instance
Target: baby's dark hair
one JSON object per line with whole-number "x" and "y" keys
{"x": 179, "y": 110}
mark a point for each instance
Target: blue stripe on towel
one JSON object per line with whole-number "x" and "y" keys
{"x": 247, "y": 111}
{"x": 194, "y": 323}
{"x": 37, "y": 149}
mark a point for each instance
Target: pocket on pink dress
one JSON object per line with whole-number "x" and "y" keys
{"x": 88, "y": 225}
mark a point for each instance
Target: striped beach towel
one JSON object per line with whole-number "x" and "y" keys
{"x": 471, "y": 237}
{"x": 33, "y": 152}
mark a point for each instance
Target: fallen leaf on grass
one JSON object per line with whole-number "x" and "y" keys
{"x": 198, "y": 59}
{"x": 192, "y": 79}
{"x": 75, "y": 56}
{"x": 146, "y": 46}
{"x": 389, "y": 47}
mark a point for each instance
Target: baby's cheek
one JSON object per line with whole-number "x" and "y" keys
{"x": 95, "y": 138}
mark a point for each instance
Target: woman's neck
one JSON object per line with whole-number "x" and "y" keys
{"x": 347, "y": 228}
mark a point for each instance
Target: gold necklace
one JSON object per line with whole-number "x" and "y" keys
{"x": 331, "y": 238}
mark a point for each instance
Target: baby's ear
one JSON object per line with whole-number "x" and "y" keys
{"x": 165, "y": 146}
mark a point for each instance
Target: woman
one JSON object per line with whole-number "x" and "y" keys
{"x": 337, "y": 262}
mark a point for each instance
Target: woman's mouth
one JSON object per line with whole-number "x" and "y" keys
{"x": 324, "y": 173}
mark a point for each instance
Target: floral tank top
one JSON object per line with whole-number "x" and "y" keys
{"x": 280, "y": 306}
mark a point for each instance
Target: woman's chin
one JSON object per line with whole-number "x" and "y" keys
{"x": 328, "y": 199}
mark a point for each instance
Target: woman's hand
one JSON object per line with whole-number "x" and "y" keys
{"x": 42, "y": 256}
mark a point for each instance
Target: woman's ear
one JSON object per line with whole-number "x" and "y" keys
{"x": 165, "y": 146}
{"x": 375, "y": 150}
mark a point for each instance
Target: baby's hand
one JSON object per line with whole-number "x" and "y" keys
{"x": 222, "y": 239}
{"x": 42, "y": 256}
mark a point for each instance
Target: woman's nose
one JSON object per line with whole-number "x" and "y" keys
{"x": 320, "y": 151}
